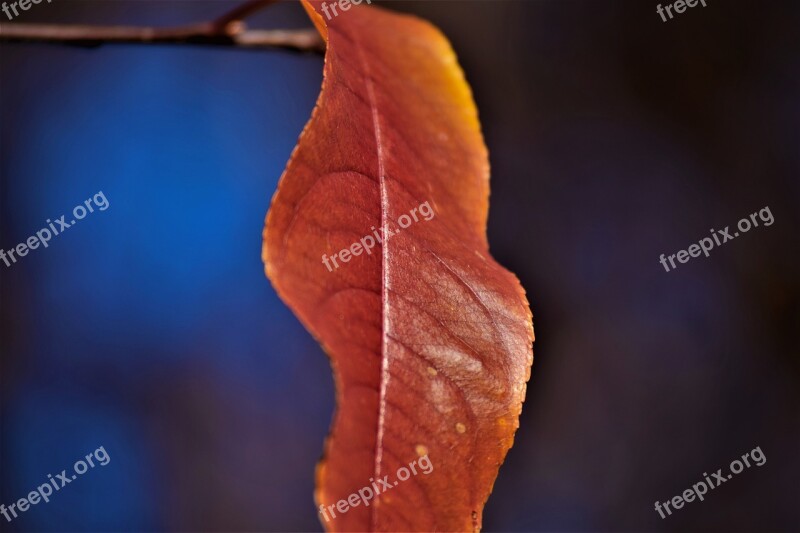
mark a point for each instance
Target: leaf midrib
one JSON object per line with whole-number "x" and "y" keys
{"x": 385, "y": 375}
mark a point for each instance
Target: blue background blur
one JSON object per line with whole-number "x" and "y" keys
{"x": 150, "y": 329}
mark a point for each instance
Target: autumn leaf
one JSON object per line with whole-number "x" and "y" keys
{"x": 376, "y": 239}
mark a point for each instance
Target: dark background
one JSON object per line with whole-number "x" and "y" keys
{"x": 151, "y": 330}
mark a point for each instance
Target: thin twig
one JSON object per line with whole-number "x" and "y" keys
{"x": 229, "y": 30}
{"x": 300, "y": 40}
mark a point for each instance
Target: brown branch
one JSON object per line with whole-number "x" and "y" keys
{"x": 228, "y": 30}
{"x": 300, "y": 40}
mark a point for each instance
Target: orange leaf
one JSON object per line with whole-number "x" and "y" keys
{"x": 429, "y": 338}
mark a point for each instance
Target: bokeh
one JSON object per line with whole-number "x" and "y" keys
{"x": 150, "y": 329}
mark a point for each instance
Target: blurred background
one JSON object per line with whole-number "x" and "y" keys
{"x": 151, "y": 330}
